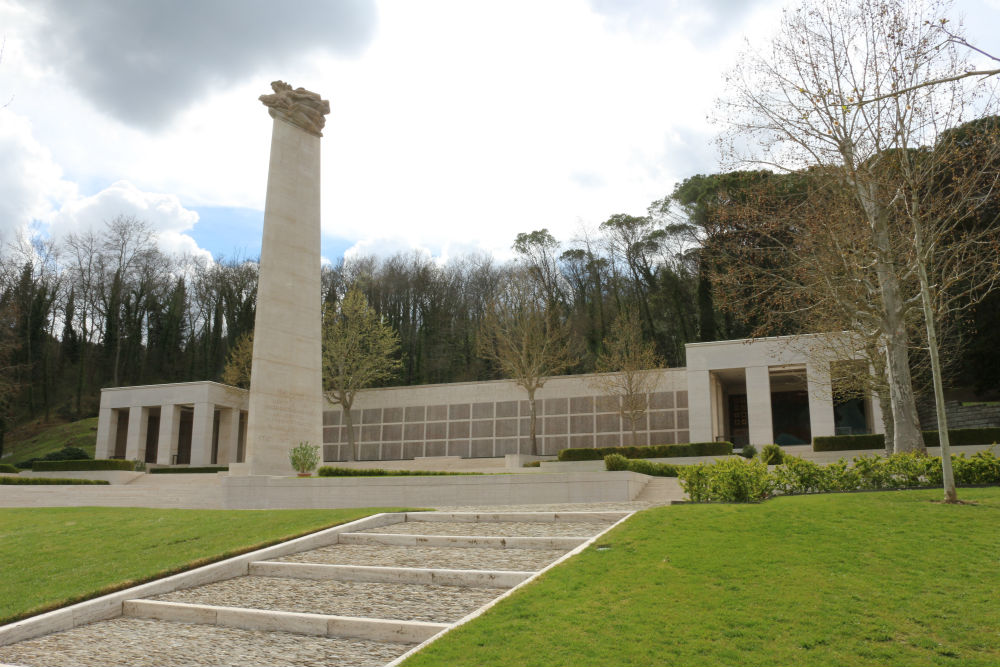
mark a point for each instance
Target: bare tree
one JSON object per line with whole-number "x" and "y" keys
{"x": 796, "y": 106}
{"x": 628, "y": 369}
{"x": 526, "y": 340}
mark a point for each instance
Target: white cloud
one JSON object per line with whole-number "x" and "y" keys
{"x": 163, "y": 212}
{"x": 31, "y": 183}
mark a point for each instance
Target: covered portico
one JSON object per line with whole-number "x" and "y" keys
{"x": 186, "y": 423}
{"x": 772, "y": 390}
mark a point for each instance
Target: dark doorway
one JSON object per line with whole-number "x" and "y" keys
{"x": 790, "y": 418}
{"x": 184, "y": 433}
{"x": 152, "y": 435}
{"x": 739, "y": 423}
{"x": 850, "y": 417}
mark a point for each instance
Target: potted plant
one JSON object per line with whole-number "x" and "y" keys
{"x": 304, "y": 458}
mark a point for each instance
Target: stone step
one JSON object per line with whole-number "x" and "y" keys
{"x": 323, "y": 625}
{"x": 394, "y": 601}
{"x": 391, "y": 575}
{"x": 663, "y": 490}
{"x": 462, "y": 541}
{"x": 427, "y": 557}
{"x": 491, "y": 528}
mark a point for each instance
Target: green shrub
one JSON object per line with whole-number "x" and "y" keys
{"x": 841, "y": 443}
{"x": 648, "y": 452}
{"x": 748, "y": 451}
{"x": 83, "y": 464}
{"x": 733, "y": 480}
{"x": 329, "y": 471}
{"x": 304, "y": 457}
{"x": 772, "y": 455}
{"x": 642, "y": 466}
{"x": 48, "y": 480}
{"x": 198, "y": 469}
{"x": 64, "y": 454}
{"x": 6, "y": 467}
{"x": 532, "y": 464}
{"x": 959, "y": 437}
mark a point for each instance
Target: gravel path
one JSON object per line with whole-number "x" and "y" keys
{"x": 494, "y": 528}
{"x": 524, "y": 560}
{"x": 407, "y": 602}
{"x": 138, "y": 642}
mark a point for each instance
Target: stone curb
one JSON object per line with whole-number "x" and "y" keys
{"x": 323, "y": 625}
{"x": 526, "y": 517}
{"x": 110, "y": 605}
{"x": 391, "y": 575}
{"x": 469, "y": 541}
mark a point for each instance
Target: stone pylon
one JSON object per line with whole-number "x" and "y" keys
{"x": 286, "y": 392}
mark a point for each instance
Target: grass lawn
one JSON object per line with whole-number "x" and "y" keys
{"x": 50, "y": 557}
{"x": 844, "y": 579}
{"x": 31, "y": 441}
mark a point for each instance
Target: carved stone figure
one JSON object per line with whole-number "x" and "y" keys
{"x": 300, "y": 107}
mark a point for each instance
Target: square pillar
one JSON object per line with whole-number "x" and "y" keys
{"x": 170, "y": 419}
{"x": 107, "y": 432}
{"x": 759, "y": 405}
{"x": 201, "y": 434}
{"x": 699, "y": 385}
{"x": 820, "y": 386}
{"x": 229, "y": 435}
{"x": 876, "y": 416}
{"x": 135, "y": 445}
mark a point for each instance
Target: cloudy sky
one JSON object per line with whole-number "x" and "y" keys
{"x": 454, "y": 124}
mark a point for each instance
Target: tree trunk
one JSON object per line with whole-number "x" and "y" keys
{"x": 531, "y": 424}
{"x": 349, "y": 425}
{"x": 947, "y": 474}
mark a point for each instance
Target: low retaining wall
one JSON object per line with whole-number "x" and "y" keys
{"x": 331, "y": 492}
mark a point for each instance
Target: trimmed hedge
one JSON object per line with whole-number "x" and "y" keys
{"x": 958, "y": 437}
{"x": 6, "y": 467}
{"x": 83, "y": 464}
{"x": 964, "y": 436}
{"x": 64, "y": 454}
{"x": 175, "y": 471}
{"x": 619, "y": 462}
{"x": 48, "y": 480}
{"x": 841, "y": 443}
{"x": 329, "y": 471}
{"x": 648, "y": 452}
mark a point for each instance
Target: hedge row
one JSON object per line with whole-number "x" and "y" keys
{"x": 738, "y": 480}
{"x": 619, "y": 462}
{"x": 83, "y": 464}
{"x": 48, "y": 480}
{"x": 958, "y": 437}
{"x": 648, "y": 452}
{"x": 329, "y": 471}
{"x": 6, "y": 467}
{"x": 174, "y": 471}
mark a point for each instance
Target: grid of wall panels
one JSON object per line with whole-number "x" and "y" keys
{"x": 492, "y": 429}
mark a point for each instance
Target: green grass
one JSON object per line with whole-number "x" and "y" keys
{"x": 30, "y": 442}
{"x": 844, "y": 579}
{"x": 50, "y": 557}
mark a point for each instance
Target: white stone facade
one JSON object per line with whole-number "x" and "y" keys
{"x": 186, "y": 423}
{"x": 759, "y": 392}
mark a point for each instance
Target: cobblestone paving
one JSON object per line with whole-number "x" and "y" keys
{"x": 494, "y": 528}
{"x": 432, "y": 557}
{"x": 407, "y": 602}
{"x": 139, "y": 643}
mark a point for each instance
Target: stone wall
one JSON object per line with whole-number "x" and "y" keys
{"x": 491, "y": 419}
{"x": 960, "y": 414}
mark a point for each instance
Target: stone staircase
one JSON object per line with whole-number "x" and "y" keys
{"x": 365, "y": 598}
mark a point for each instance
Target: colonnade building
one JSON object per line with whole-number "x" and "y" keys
{"x": 757, "y": 391}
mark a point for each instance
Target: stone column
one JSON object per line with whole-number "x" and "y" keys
{"x": 759, "y": 405}
{"x": 229, "y": 435}
{"x": 201, "y": 434}
{"x": 699, "y": 385}
{"x": 820, "y": 386}
{"x": 170, "y": 420}
{"x": 286, "y": 400}
{"x": 135, "y": 445}
{"x": 107, "y": 432}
